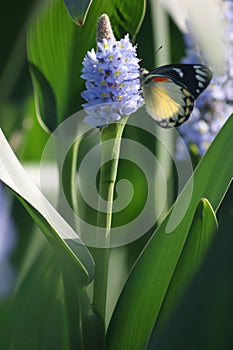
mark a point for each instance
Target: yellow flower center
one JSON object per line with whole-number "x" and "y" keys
{"x": 104, "y": 94}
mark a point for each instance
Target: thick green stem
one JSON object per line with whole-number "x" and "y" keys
{"x": 111, "y": 144}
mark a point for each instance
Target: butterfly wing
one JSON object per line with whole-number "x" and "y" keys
{"x": 169, "y": 92}
{"x": 167, "y": 102}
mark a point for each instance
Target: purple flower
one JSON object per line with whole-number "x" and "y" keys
{"x": 112, "y": 77}
{"x": 7, "y": 243}
{"x": 215, "y": 104}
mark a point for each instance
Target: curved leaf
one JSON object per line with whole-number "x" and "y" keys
{"x": 200, "y": 236}
{"x": 54, "y": 227}
{"x": 138, "y": 308}
{"x": 208, "y": 300}
{"x": 45, "y": 100}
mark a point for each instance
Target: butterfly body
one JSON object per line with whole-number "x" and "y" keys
{"x": 170, "y": 91}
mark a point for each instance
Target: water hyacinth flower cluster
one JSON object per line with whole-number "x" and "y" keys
{"x": 214, "y": 105}
{"x": 112, "y": 77}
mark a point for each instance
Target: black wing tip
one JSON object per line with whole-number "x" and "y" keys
{"x": 204, "y": 68}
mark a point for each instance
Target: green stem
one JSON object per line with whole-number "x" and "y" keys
{"x": 73, "y": 194}
{"x": 111, "y": 144}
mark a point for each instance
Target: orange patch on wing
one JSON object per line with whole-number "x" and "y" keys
{"x": 159, "y": 79}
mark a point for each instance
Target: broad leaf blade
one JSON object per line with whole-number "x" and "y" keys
{"x": 56, "y": 48}
{"x": 140, "y": 302}
{"x": 78, "y": 10}
{"x": 55, "y": 228}
{"x": 208, "y": 301}
{"x": 199, "y": 238}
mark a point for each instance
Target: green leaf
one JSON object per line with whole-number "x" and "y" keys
{"x": 66, "y": 242}
{"x": 38, "y": 307}
{"x": 204, "y": 318}
{"x": 56, "y": 48}
{"x": 51, "y": 306}
{"x": 199, "y": 238}
{"x": 45, "y": 99}
{"x": 144, "y": 293}
{"x": 78, "y": 10}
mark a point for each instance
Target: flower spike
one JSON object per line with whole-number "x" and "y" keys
{"x": 112, "y": 75}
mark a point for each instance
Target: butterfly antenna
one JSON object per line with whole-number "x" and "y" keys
{"x": 158, "y": 49}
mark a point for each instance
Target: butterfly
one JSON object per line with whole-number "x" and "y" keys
{"x": 170, "y": 91}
